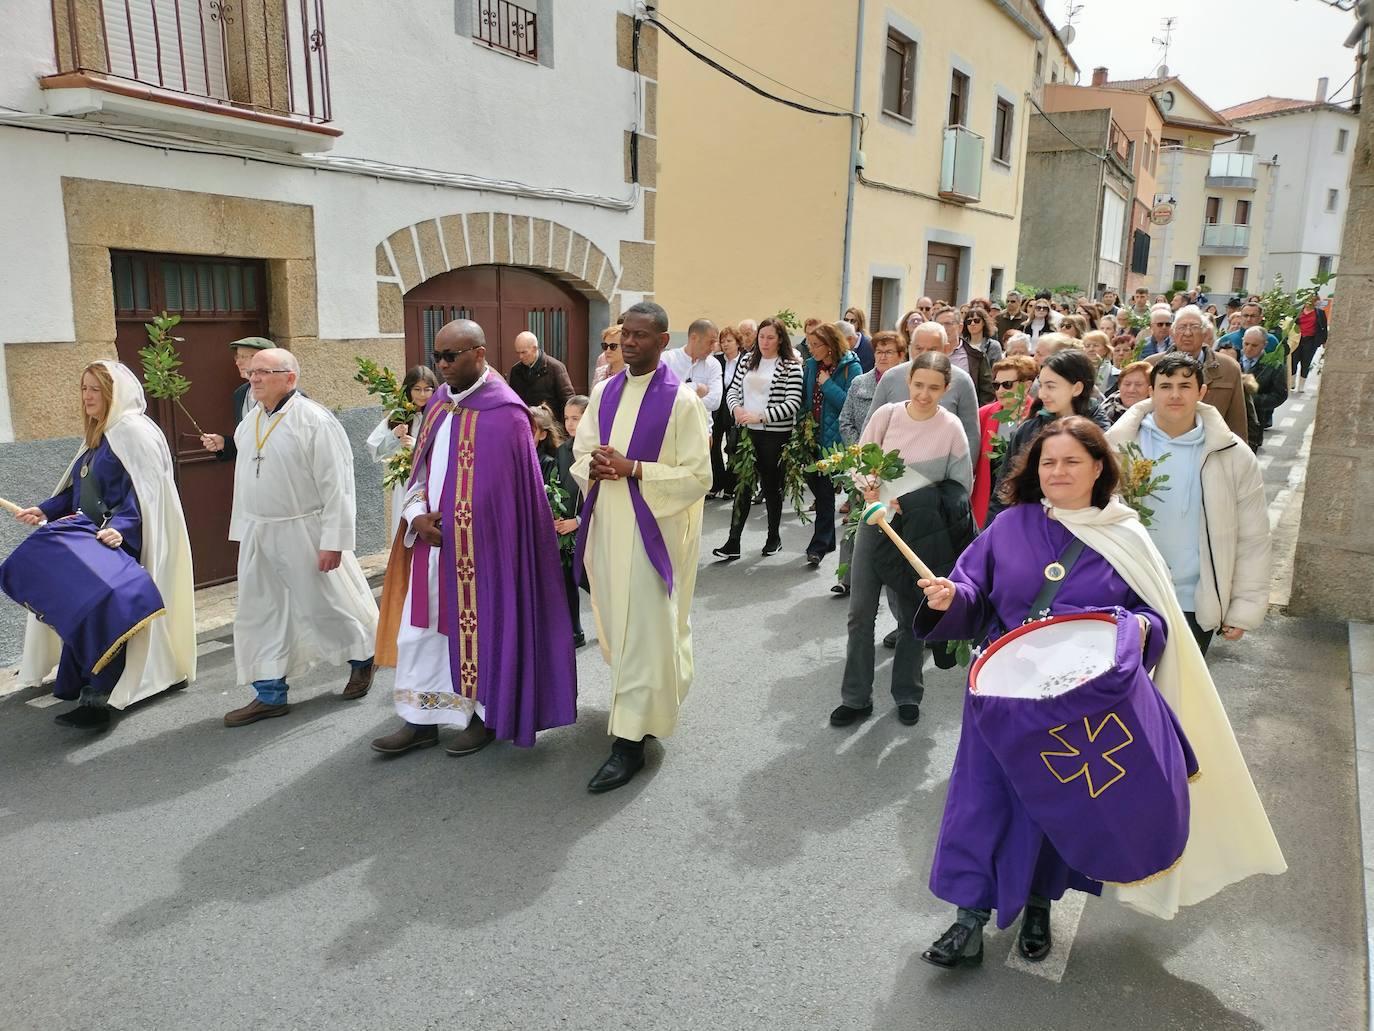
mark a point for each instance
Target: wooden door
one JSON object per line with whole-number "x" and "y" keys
{"x": 942, "y": 272}
{"x": 504, "y": 301}
{"x": 219, "y": 300}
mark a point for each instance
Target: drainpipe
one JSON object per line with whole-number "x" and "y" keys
{"x": 855, "y": 158}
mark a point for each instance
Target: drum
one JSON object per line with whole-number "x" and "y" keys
{"x": 94, "y": 597}
{"x": 1092, "y": 751}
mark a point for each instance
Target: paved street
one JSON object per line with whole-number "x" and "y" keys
{"x": 767, "y": 871}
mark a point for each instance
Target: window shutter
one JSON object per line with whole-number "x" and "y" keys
{"x": 182, "y": 32}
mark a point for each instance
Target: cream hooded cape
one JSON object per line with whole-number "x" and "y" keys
{"x": 1229, "y": 835}
{"x": 164, "y": 653}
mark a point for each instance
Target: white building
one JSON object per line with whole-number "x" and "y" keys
{"x": 1313, "y": 143}
{"x": 344, "y": 192}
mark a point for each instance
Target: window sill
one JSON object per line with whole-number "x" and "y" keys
{"x": 902, "y": 119}
{"x": 1001, "y": 166}
{"x": 523, "y": 58}
{"x": 94, "y": 96}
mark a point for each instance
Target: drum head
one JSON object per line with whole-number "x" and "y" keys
{"x": 1047, "y": 658}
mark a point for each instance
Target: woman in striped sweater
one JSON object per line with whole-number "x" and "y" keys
{"x": 765, "y": 401}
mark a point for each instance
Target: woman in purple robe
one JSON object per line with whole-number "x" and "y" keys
{"x": 990, "y": 854}
{"x": 103, "y": 492}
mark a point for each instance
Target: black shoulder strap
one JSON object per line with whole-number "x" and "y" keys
{"x": 1040, "y": 608}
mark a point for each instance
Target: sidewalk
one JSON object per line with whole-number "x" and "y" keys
{"x": 1362, "y": 694}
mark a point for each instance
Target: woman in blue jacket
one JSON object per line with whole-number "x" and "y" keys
{"x": 825, "y": 385}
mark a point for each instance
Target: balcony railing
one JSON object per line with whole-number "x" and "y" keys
{"x": 265, "y": 56}
{"x": 509, "y": 27}
{"x": 1224, "y": 239}
{"x": 961, "y": 165}
{"x": 1232, "y": 170}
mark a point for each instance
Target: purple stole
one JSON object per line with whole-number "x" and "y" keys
{"x": 646, "y": 443}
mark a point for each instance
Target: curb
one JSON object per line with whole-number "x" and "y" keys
{"x": 1362, "y": 699}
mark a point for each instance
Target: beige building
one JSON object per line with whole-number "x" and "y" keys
{"x": 767, "y": 206}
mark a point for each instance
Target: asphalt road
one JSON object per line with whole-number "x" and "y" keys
{"x": 766, "y": 870}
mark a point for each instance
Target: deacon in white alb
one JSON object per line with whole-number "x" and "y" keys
{"x": 303, "y": 600}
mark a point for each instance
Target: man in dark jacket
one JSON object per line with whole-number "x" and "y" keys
{"x": 222, "y": 445}
{"x": 539, "y": 378}
{"x": 1272, "y": 378}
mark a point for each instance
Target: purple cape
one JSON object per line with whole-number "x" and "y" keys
{"x": 991, "y": 852}
{"x": 94, "y": 597}
{"x": 501, "y": 596}
{"x": 646, "y": 444}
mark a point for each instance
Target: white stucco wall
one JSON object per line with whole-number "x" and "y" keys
{"x": 449, "y": 105}
{"x": 1309, "y": 165}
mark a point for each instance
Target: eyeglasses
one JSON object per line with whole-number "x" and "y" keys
{"x": 606, "y": 346}
{"x": 1188, "y": 327}
{"x": 1005, "y": 384}
{"x": 924, "y": 307}
{"x": 451, "y": 356}
{"x": 1041, "y": 307}
{"x": 265, "y": 372}
{"x": 1161, "y": 325}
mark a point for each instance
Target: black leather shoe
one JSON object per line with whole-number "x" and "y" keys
{"x": 772, "y": 546}
{"x": 86, "y": 717}
{"x": 957, "y": 947}
{"x": 844, "y": 715}
{"x": 1034, "y": 940}
{"x": 617, "y": 771}
{"x": 841, "y": 589}
{"x": 579, "y": 640}
{"x": 944, "y": 656}
{"x": 813, "y": 560}
{"x": 890, "y": 641}
{"x": 910, "y": 713}
{"x": 729, "y": 550}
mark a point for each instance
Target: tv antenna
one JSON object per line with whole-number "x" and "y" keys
{"x": 1068, "y": 33}
{"x": 1167, "y": 25}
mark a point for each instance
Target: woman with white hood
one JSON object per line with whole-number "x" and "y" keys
{"x": 121, "y": 480}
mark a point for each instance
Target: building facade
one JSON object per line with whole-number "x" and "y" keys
{"x": 234, "y": 168}
{"x": 1075, "y": 231}
{"x": 1313, "y": 143}
{"x": 793, "y": 200}
{"x": 1141, "y": 119}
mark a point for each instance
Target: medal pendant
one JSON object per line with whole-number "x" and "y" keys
{"x": 1054, "y": 572}
{"x": 85, "y": 470}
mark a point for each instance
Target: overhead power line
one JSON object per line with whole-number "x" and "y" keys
{"x": 753, "y": 87}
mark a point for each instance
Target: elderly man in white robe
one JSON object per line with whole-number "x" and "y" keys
{"x": 303, "y": 599}
{"x": 642, "y": 458}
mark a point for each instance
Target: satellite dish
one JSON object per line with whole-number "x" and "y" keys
{"x": 1162, "y": 72}
{"x": 1068, "y": 34}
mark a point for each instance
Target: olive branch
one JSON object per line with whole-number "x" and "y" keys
{"x": 161, "y": 359}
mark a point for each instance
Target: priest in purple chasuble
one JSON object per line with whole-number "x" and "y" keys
{"x": 474, "y": 614}
{"x": 642, "y": 458}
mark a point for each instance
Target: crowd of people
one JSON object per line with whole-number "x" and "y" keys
{"x": 1013, "y": 438}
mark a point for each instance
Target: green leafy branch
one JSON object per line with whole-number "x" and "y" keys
{"x": 1139, "y": 479}
{"x": 161, "y": 360}
{"x": 744, "y": 465}
{"x": 798, "y": 454}
{"x": 560, "y": 501}
{"x": 381, "y": 382}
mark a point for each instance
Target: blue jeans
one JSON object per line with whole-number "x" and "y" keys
{"x": 273, "y": 692}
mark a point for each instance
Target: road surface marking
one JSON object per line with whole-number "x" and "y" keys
{"x": 1287, "y": 424}
{"x": 46, "y": 702}
{"x": 1064, "y": 918}
{"x": 1265, "y": 461}
{"x": 1276, "y": 439}
{"x": 210, "y": 647}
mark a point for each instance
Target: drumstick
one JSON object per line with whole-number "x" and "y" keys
{"x": 876, "y": 515}
{"x": 13, "y": 509}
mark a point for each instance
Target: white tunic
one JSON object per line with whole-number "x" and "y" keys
{"x": 424, "y": 693}
{"x": 297, "y": 501}
{"x": 646, "y": 633}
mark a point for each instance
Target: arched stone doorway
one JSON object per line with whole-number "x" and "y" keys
{"x": 521, "y": 266}
{"x": 504, "y": 301}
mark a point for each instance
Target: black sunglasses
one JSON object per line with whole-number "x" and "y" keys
{"x": 609, "y": 347}
{"x": 1005, "y": 384}
{"x": 452, "y": 356}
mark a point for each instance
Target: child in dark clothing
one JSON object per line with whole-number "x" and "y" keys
{"x": 555, "y": 462}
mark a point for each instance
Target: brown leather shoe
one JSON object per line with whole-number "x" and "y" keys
{"x": 475, "y": 738}
{"x": 254, "y": 711}
{"x": 359, "y": 683}
{"x": 408, "y": 737}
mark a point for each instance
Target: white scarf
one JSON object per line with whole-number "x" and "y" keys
{"x": 1229, "y": 835}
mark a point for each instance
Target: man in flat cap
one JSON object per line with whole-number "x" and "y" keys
{"x": 222, "y": 446}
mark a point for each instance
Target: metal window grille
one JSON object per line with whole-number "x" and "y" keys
{"x": 433, "y": 319}
{"x": 506, "y": 26}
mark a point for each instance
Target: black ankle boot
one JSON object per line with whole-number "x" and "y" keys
{"x": 728, "y": 550}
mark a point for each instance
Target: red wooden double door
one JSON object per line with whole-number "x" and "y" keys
{"x": 504, "y": 301}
